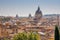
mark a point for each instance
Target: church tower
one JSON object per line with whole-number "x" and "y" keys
{"x": 30, "y": 16}
{"x": 17, "y": 16}
{"x": 38, "y": 14}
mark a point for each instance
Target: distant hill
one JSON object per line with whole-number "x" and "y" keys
{"x": 51, "y": 15}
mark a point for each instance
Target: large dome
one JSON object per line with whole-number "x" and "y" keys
{"x": 38, "y": 13}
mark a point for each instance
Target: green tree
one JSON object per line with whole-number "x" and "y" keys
{"x": 5, "y": 19}
{"x": 56, "y": 33}
{"x": 27, "y": 36}
{"x": 6, "y": 39}
{"x": 20, "y": 36}
{"x": 59, "y": 36}
{"x": 34, "y": 36}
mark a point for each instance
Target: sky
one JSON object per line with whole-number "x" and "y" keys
{"x": 26, "y": 7}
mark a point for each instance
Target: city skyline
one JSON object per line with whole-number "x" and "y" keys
{"x": 25, "y": 7}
